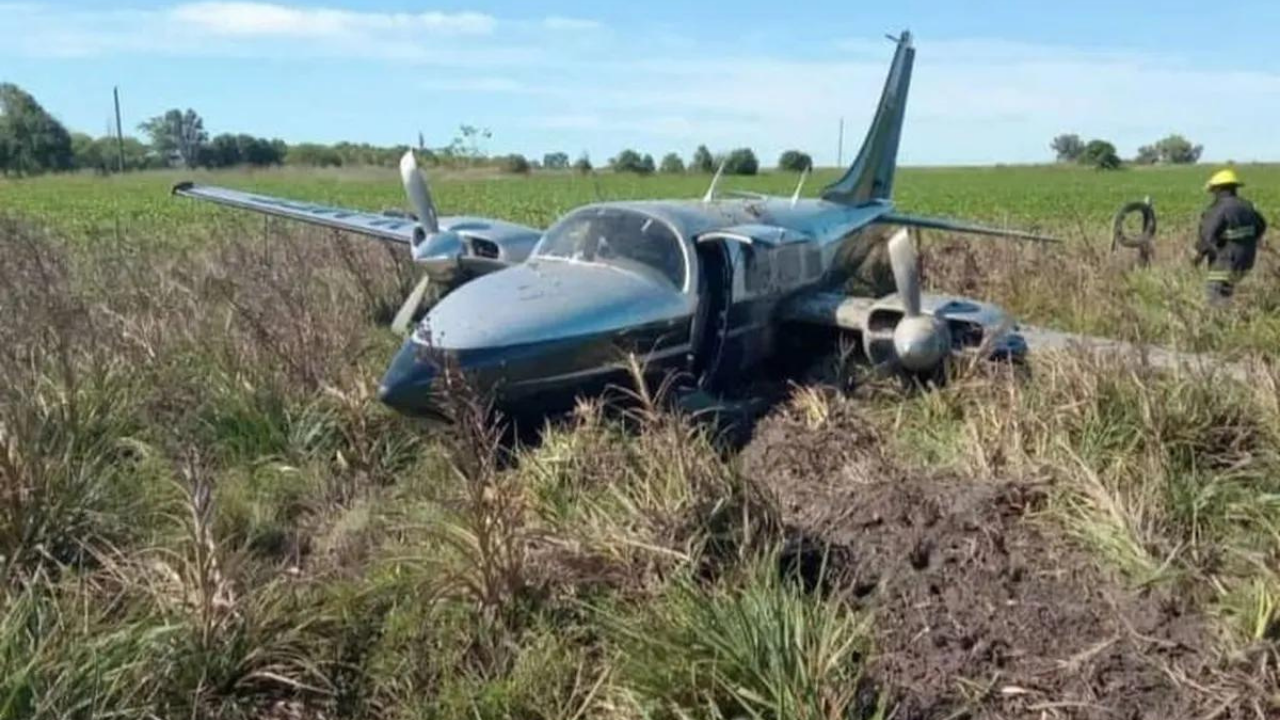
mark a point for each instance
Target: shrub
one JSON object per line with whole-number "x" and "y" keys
{"x": 702, "y": 160}
{"x": 742, "y": 162}
{"x": 632, "y": 162}
{"x": 761, "y": 649}
{"x": 795, "y": 161}
{"x": 516, "y": 164}
{"x": 1101, "y": 155}
{"x": 672, "y": 164}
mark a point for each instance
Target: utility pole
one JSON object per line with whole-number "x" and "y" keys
{"x": 840, "y": 145}
{"x": 115, "y": 92}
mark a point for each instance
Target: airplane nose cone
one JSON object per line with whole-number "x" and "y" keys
{"x": 406, "y": 386}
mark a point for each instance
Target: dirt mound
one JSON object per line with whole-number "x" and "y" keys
{"x": 980, "y": 612}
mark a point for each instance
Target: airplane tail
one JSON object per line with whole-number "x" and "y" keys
{"x": 870, "y": 177}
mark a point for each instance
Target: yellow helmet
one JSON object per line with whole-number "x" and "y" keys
{"x": 1223, "y": 178}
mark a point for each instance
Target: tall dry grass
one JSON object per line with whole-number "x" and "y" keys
{"x": 206, "y": 513}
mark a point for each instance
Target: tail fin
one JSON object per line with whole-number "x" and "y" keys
{"x": 871, "y": 175}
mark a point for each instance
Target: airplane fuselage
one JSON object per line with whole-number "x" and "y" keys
{"x": 554, "y": 326}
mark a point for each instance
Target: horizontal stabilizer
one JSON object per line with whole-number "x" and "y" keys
{"x": 1043, "y": 340}
{"x": 937, "y": 223}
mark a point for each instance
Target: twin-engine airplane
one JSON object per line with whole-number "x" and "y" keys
{"x": 706, "y": 287}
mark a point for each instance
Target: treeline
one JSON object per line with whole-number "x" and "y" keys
{"x": 741, "y": 161}
{"x": 32, "y": 141}
{"x": 1171, "y": 150}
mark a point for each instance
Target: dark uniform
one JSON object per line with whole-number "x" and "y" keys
{"x": 1230, "y": 230}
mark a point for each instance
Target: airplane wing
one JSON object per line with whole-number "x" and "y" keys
{"x": 937, "y": 223}
{"x": 383, "y": 227}
{"x": 489, "y": 241}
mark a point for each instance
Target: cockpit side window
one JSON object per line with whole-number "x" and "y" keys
{"x": 614, "y": 236}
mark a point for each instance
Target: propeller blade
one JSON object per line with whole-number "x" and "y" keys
{"x": 419, "y": 194}
{"x": 404, "y": 316}
{"x": 906, "y": 271}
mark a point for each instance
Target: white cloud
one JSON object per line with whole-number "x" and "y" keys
{"x": 973, "y": 100}
{"x": 259, "y": 30}
{"x": 268, "y": 19}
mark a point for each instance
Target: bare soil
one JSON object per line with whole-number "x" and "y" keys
{"x": 982, "y": 611}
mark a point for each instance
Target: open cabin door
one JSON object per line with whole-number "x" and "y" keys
{"x": 710, "y": 329}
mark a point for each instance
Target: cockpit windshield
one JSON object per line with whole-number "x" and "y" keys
{"x": 621, "y": 237}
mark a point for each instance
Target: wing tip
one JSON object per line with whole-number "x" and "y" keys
{"x": 181, "y": 187}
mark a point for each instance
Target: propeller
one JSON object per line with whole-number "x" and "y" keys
{"x": 404, "y": 316}
{"x": 430, "y": 243}
{"x": 415, "y": 188}
{"x": 921, "y": 342}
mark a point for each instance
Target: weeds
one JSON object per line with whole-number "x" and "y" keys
{"x": 314, "y": 554}
{"x": 760, "y": 649}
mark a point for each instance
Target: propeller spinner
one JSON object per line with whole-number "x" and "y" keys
{"x": 921, "y": 342}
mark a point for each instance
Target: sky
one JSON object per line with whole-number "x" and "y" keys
{"x": 993, "y": 81}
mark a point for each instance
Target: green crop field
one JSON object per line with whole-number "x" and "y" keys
{"x": 1066, "y": 198}
{"x": 205, "y": 512}
{"x": 1080, "y": 287}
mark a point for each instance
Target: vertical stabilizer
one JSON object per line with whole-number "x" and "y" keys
{"x": 870, "y": 177}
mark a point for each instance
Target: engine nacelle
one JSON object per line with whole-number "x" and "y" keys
{"x": 970, "y": 326}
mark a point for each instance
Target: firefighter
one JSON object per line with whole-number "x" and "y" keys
{"x": 1230, "y": 230}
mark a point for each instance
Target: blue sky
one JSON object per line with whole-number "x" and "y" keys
{"x": 994, "y": 81}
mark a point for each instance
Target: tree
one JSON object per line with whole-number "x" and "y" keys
{"x": 742, "y": 162}
{"x": 466, "y": 145}
{"x": 1069, "y": 147}
{"x": 1101, "y": 155}
{"x": 583, "y": 164}
{"x": 516, "y": 163}
{"x": 632, "y": 162}
{"x": 795, "y": 161}
{"x": 222, "y": 151}
{"x": 1177, "y": 150}
{"x": 31, "y": 140}
{"x": 647, "y": 165}
{"x": 177, "y": 135}
{"x": 261, "y": 152}
{"x": 671, "y": 164}
{"x": 702, "y": 160}
{"x": 1147, "y": 155}
{"x": 86, "y": 154}
{"x": 226, "y": 150}
{"x": 555, "y": 161}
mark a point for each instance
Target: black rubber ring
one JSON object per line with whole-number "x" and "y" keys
{"x": 1148, "y": 225}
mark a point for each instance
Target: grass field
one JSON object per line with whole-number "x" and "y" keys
{"x": 205, "y": 513}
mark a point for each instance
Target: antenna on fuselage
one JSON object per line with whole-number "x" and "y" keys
{"x": 795, "y": 196}
{"x": 715, "y": 182}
